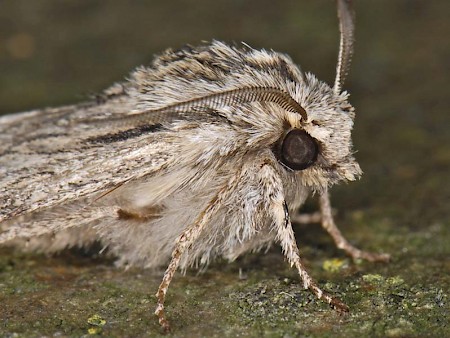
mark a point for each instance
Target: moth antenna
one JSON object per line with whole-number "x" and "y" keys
{"x": 346, "y": 17}
{"x": 218, "y": 100}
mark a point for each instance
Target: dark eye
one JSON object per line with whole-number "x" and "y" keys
{"x": 297, "y": 150}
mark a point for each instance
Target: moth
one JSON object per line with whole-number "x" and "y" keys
{"x": 205, "y": 153}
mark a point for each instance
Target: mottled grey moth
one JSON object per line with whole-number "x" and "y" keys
{"x": 204, "y": 153}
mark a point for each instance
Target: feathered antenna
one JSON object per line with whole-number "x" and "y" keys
{"x": 215, "y": 101}
{"x": 347, "y": 28}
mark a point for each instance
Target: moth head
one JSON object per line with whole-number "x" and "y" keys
{"x": 316, "y": 145}
{"x": 323, "y": 143}
{"x": 296, "y": 150}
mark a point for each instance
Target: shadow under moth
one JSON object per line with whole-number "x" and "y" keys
{"x": 204, "y": 153}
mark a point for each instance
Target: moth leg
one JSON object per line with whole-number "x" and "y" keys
{"x": 329, "y": 225}
{"x": 313, "y": 217}
{"x": 184, "y": 242}
{"x": 308, "y": 218}
{"x": 273, "y": 191}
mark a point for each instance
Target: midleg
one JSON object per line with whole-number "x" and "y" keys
{"x": 185, "y": 241}
{"x": 313, "y": 217}
{"x": 329, "y": 225}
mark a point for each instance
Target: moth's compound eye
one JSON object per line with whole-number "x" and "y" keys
{"x": 298, "y": 150}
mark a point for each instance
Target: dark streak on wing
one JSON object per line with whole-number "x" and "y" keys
{"x": 124, "y": 135}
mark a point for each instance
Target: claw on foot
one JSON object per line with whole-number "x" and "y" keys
{"x": 371, "y": 257}
{"x": 159, "y": 312}
{"x": 339, "y": 306}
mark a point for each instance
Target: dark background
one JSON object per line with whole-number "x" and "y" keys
{"x": 54, "y": 53}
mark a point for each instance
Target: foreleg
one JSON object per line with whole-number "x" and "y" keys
{"x": 274, "y": 195}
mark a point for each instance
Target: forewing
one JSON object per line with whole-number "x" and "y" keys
{"x": 54, "y": 156}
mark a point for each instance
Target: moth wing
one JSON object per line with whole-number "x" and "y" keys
{"x": 55, "y": 157}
